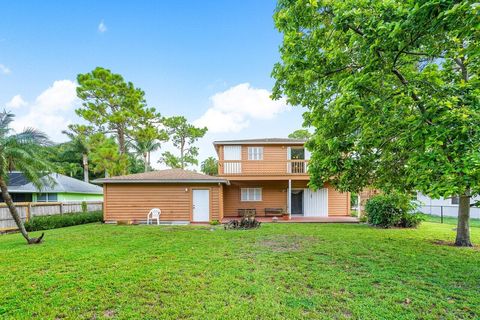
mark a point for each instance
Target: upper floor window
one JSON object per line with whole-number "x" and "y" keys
{"x": 297, "y": 154}
{"x": 251, "y": 194}
{"x": 255, "y": 153}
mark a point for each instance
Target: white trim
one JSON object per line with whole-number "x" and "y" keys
{"x": 255, "y": 153}
{"x": 251, "y": 191}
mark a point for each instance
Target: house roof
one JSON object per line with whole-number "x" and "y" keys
{"x": 52, "y": 183}
{"x": 262, "y": 141}
{"x": 164, "y": 176}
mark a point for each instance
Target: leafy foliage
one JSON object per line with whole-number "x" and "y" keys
{"x": 112, "y": 105}
{"x": 62, "y": 220}
{"x": 393, "y": 92}
{"x": 300, "y": 134}
{"x": 392, "y": 210}
{"x": 210, "y": 166}
{"x": 183, "y": 136}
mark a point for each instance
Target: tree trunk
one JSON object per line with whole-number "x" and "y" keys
{"x": 85, "y": 167}
{"x": 122, "y": 143}
{"x": 121, "y": 140}
{"x": 182, "y": 151}
{"x": 148, "y": 159}
{"x": 463, "y": 226}
{"x": 16, "y": 217}
{"x": 145, "y": 161}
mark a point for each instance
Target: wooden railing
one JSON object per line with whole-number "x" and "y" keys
{"x": 262, "y": 167}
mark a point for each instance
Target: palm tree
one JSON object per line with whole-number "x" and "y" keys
{"x": 209, "y": 166}
{"x": 145, "y": 148}
{"x": 78, "y": 135}
{"x": 19, "y": 151}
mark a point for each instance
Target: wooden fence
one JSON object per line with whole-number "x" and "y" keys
{"x": 27, "y": 210}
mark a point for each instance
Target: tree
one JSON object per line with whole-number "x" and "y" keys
{"x": 300, "y": 134}
{"x": 78, "y": 135}
{"x": 183, "y": 135}
{"x": 20, "y": 151}
{"x": 392, "y": 90}
{"x": 210, "y": 166}
{"x": 147, "y": 139}
{"x": 113, "y": 106}
{"x": 105, "y": 157}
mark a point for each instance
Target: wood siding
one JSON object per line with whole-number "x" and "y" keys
{"x": 274, "y": 195}
{"x": 274, "y": 162}
{"x": 132, "y": 202}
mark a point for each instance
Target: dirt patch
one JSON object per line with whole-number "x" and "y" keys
{"x": 109, "y": 313}
{"x": 283, "y": 243}
{"x": 451, "y": 244}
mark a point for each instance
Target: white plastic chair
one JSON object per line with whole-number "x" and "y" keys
{"x": 154, "y": 214}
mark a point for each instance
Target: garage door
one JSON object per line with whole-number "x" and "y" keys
{"x": 315, "y": 203}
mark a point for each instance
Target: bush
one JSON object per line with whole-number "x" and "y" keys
{"x": 62, "y": 220}
{"x": 392, "y": 210}
{"x": 214, "y": 222}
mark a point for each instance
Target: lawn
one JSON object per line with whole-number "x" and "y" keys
{"x": 449, "y": 220}
{"x": 292, "y": 271}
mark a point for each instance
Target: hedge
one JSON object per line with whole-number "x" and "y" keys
{"x": 62, "y": 220}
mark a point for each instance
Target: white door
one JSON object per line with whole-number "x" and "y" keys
{"x": 315, "y": 203}
{"x": 201, "y": 205}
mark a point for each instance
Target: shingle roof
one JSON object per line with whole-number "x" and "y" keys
{"x": 18, "y": 183}
{"x": 262, "y": 141}
{"x": 164, "y": 176}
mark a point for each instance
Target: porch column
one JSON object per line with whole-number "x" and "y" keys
{"x": 289, "y": 198}
{"x": 359, "y": 209}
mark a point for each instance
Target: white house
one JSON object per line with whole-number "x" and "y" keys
{"x": 447, "y": 206}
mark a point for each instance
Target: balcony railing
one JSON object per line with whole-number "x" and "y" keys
{"x": 263, "y": 167}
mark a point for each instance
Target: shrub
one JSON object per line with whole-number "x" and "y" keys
{"x": 214, "y": 222}
{"x": 245, "y": 223}
{"x": 392, "y": 210}
{"x": 62, "y": 220}
{"x": 84, "y": 207}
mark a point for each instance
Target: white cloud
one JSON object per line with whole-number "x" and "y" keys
{"x": 102, "y": 27}
{"x": 16, "y": 102}
{"x": 51, "y": 110}
{"x": 233, "y": 109}
{"x": 4, "y": 69}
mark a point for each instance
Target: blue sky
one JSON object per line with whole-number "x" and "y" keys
{"x": 207, "y": 60}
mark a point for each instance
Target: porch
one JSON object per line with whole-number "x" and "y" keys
{"x": 302, "y": 219}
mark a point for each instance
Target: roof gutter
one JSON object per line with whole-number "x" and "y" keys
{"x": 131, "y": 181}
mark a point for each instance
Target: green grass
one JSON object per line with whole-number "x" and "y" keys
{"x": 450, "y": 220}
{"x": 290, "y": 271}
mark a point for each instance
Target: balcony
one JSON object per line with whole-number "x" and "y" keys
{"x": 262, "y": 167}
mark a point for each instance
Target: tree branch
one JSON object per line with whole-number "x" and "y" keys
{"x": 463, "y": 68}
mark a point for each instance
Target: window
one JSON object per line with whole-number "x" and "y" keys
{"x": 455, "y": 200}
{"x": 47, "y": 197}
{"x": 255, "y": 153}
{"x": 297, "y": 154}
{"x": 251, "y": 194}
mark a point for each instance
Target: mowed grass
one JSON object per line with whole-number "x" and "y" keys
{"x": 289, "y": 271}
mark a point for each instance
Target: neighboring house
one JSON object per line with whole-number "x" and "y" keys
{"x": 446, "y": 206}
{"x": 265, "y": 176}
{"x": 63, "y": 189}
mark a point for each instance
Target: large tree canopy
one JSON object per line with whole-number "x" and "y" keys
{"x": 112, "y": 105}
{"x": 392, "y": 90}
{"x": 183, "y": 136}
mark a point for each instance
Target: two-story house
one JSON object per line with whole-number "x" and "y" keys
{"x": 269, "y": 175}
{"x": 264, "y": 177}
